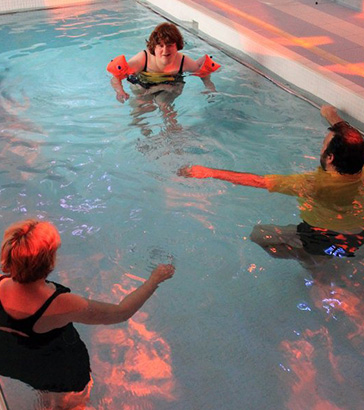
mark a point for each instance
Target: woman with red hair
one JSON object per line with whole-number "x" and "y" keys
{"x": 39, "y": 344}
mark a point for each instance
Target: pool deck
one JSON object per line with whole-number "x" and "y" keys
{"x": 316, "y": 45}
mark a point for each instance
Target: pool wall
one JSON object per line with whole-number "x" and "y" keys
{"x": 12, "y": 6}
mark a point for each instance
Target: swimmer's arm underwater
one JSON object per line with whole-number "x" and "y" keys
{"x": 238, "y": 178}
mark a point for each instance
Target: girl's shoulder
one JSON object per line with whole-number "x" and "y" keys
{"x": 189, "y": 64}
{"x": 137, "y": 62}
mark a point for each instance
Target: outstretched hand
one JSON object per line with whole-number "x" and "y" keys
{"x": 161, "y": 273}
{"x": 330, "y": 114}
{"x": 195, "y": 171}
{"x": 327, "y": 110}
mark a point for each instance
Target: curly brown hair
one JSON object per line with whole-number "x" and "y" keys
{"x": 28, "y": 250}
{"x": 167, "y": 33}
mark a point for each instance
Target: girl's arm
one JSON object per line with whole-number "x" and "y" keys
{"x": 193, "y": 66}
{"x": 136, "y": 63}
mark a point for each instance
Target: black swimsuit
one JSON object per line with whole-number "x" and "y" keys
{"x": 147, "y": 79}
{"x": 55, "y": 361}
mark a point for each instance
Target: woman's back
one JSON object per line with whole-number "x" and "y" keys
{"x": 56, "y": 360}
{"x": 22, "y": 301}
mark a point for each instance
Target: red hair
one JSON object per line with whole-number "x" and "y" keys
{"x": 28, "y": 250}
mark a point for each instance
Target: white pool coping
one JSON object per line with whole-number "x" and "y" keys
{"x": 312, "y": 78}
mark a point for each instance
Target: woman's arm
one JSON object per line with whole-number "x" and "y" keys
{"x": 92, "y": 312}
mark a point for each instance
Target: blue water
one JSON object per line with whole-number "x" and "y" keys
{"x": 234, "y": 329}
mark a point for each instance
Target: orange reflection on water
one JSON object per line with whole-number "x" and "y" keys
{"x": 337, "y": 299}
{"x": 132, "y": 365}
{"x": 306, "y": 392}
{"x": 317, "y": 365}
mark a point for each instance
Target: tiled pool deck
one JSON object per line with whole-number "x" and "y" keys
{"x": 316, "y": 45}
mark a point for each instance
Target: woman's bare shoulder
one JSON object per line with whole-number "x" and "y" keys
{"x": 66, "y": 303}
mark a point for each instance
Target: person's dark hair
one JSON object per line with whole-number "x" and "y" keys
{"x": 347, "y": 147}
{"x": 28, "y": 250}
{"x": 167, "y": 33}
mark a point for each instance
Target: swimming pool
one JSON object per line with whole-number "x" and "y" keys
{"x": 234, "y": 328}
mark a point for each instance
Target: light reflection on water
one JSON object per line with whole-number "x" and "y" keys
{"x": 234, "y": 328}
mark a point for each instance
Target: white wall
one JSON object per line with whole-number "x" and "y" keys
{"x": 22, "y": 5}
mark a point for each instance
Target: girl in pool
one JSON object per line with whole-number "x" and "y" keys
{"x": 39, "y": 344}
{"x": 160, "y": 67}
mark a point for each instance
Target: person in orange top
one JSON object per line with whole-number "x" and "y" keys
{"x": 331, "y": 199}
{"x": 39, "y": 344}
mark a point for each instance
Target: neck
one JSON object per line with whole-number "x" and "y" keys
{"x": 332, "y": 170}
{"x": 31, "y": 285}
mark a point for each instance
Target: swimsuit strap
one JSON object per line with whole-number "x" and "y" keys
{"x": 146, "y": 61}
{"x": 181, "y": 66}
{"x": 59, "y": 290}
{"x": 26, "y": 324}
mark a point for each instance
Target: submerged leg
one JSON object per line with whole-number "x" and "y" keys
{"x": 278, "y": 241}
{"x": 284, "y": 243}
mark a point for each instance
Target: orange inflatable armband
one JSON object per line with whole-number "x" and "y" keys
{"x": 119, "y": 67}
{"x": 208, "y": 67}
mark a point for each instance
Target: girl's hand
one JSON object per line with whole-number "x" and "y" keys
{"x": 122, "y": 96}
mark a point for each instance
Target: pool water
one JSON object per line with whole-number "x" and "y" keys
{"x": 235, "y": 328}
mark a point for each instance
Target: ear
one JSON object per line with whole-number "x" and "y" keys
{"x": 330, "y": 158}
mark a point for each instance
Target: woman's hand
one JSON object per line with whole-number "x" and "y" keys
{"x": 162, "y": 273}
